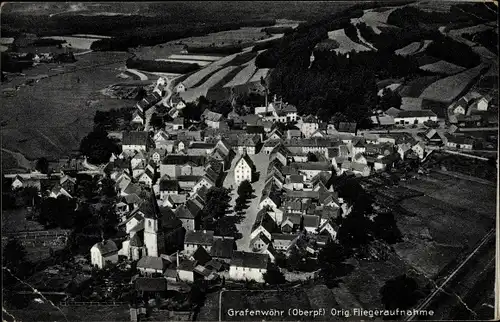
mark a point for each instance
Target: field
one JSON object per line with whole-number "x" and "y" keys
{"x": 448, "y": 88}
{"x": 50, "y": 117}
{"x": 244, "y": 75}
{"x": 413, "y": 48}
{"x": 374, "y": 19}
{"x": 433, "y": 225}
{"x": 442, "y": 67}
{"x": 261, "y": 72}
{"x": 77, "y": 42}
{"x": 415, "y": 87}
{"x": 201, "y": 60}
{"x": 345, "y": 43}
{"x": 195, "y": 92}
{"x": 411, "y": 103}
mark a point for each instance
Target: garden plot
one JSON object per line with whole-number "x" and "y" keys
{"x": 260, "y": 73}
{"x": 345, "y": 43}
{"x": 193, "y": 93}
{"x": 374, "y": 19}
{"x": 443, "y": 67}
{"x": 244, "y": 75}
{"x": 448, "y": 88}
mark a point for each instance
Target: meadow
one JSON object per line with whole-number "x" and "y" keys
{"x": 50, "y": 117}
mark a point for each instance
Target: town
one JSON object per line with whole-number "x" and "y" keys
{"x": 173, "y": 200}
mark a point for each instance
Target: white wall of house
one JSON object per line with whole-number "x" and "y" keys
{"x": 133, "y": 147}
{"x": 242, "y": 172}
{"x": 482, "y": 105}
{"x": 414, "y": 120}
{"x": 246, "y": 273}
{"x": 188, "y": 224}
{"x": 186, "y": 276}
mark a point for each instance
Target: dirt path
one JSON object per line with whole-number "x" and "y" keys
{"x": 137, "y": 73}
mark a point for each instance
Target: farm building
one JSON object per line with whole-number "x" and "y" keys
{"x": 459, "y": 142}
{"x": 414, "y": 117}
{"x": 248, "y": 266}
{"x": 103, "y": 253}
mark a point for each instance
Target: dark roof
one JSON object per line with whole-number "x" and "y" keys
{"x": 250, "y": 260}
{"x": 199, "y": 237}
{"x": 150, "y": 284}
{"x": 284, "y": 236}
{"x": 180, "y": 159}
{"x": 222, "y": 247}
{"x": 201, "y": 145}
{"x": 150, "y": 207}
{"x": 248, "y": 140}
{"x": 247, "y": 159}
{"x": 106, "y": 247}
{"x": 135, "y": 138}
{"x": 156, "y": 263}
{"x": 322, "y": 166}
{"x": 265, "y": 221}
{"x": 201, "y": 256}
{"x": 311, "y": 221}
{"x": 169, "y": 185}
{"x": 348, "y": 127}
{"x": 460, "y": 139}
{"x": 136, "y": 241}
{"x": 294, "y": 218}
{"x": 255, "y": 129}
{"x": 187, "y": 265}
{"x": 416, "y": 113}
{"x": 188, "y": 178}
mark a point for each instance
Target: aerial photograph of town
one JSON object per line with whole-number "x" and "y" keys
{"x": 249, "y": 160}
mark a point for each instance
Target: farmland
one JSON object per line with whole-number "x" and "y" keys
{"x": 448, "y": 88}
{"x": 374, "y": 19}
{"x": 193, "y": 93}
{"x": 77, "y": 41}
{"x": 414, "y": 48}
{"x": 65, "y": 104}
{"x": 345, "y": 43}
{"x": 442, "y": 67}
{"x": 433, "y": 224}
{"x": 416, "y": 86}
{"x": 244, "y": 75}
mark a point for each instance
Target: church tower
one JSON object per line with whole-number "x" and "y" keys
{"x": 153, "y": 233}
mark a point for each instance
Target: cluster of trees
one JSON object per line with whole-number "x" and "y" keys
{"x": 48, "y": 42}
{"x": 244, "y": 191}
{"x": 389, "y": 99}
{"x": 277, "y": 30}
{"x": 213, "y": 215}
{"x": 161, "y": 66}
{"x": 453, "y": 52}
{"x": 487, "y": 38}
{"x": 21, "y": 197}
{"x": 15, "y": 266}
{"x": 98, "y": 147}
{"x": 14, "y": 65}
{"x": 111, "y": 120}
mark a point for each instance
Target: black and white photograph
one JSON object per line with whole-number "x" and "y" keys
{"x": 249, "y": 161}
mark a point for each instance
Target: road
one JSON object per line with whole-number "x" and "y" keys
{"x": 440, "y": 299}
{"x": 261, "y": 162}
{"x": 137, "y": 73}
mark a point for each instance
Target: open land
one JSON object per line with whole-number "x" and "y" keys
{"x": 65, "y": 103}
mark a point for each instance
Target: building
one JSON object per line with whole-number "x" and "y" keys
{"x": 308, "y": 125}
{"x": 149, "y": 265}
{"x": 248, "y": 142}
{"x": 198, "y": 238}
{"x": 459, "y": 142}
{"x": 135, "y": 141}
{"x": 248, "y": 266}
{"x": 103, "y": 253}
{"x": 222, "y": 248}
{"x": 212, "y": 119}
{"x": 414, "y": 117}
{"x": 244, "y": 169}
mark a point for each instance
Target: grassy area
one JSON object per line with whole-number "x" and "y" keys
{"x": 45, "y": 312}
{"x": 416, "y": 86}
{"x": 447, "y": 89}
{"x": 442, "y": 67}
{"x": 50, "y": 117}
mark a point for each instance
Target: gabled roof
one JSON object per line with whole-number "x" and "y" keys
{"x": 201, "y": 256}
{"x": 199, "y": 237}
{"x": 248, "y": 140}
{"x": 180, "y": 159}
{"x": 249, "y": 260}
{"x": 212, "y": 116}
{"x": 349, "y": 127}
{"x": 416, "y": 113}
{"x": 393, "y": 111}
{"x": 222, "y": 247}
{"x": 246, "y": 158}
{"x": 135, "y": 138}
{"x": 265, "y": 221}
{"x": 293, "y": 218}
{"x": 169, "y": 185}
{"x": 151, "y": 284}
{"x": 156, "y": 263}
{"x": 106, "y": 247}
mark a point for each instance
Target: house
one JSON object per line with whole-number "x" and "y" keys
{"x": 308, "y": 125}
{"x": 201, "y": 148}
{"x": 419, "y": 149}
{"x": 177, "y": 124}
{"x": 162, "y": 141}
{"x": 310, "y": 223}
{"x": 283, "y": 242}
{"x": 168, "y": 187}
{"x": 149, "y": 265}
{"x": 222, "y": 248}
{"x": 264, "y": 225}
{"x": 103, "y": 253}
{"x": 291, "y": 223}
{"x": 198, "y": 238}
{"x": 201, "y": 256}
{"x": 212, "y": 119}
{"x": 433, "y": 137}
{"x": 174, "y": 201}
{"x": 293, "y": 134}
{"x": 459, "y": 142}
{"x": 347, "y": 128}
{"x": 135, "y": 141}
{"x": 57, "y": 191}
{"x": 275, "y": 134}
{"x": 244, "y": 169}
{"x": 329, "y": 228}
{"x": 483, "y": 103}
{"x": 177, "y": 103}
{"x": 137, "y": 117}
{"x": 180, "y": 88}
{"x": 412, "y": 117}
{"x": 272, "y": 200}
{"x": 157, "y": 155}
{"x": 459, "y": 107}
{"x": 146, "y": 178}
{"x": 248, "y": 142}
{"x": 185, "y": 270}
{"x": 155, "y": 287}
{"x": 188, "y": 214}
{"x": 248, "y": 266}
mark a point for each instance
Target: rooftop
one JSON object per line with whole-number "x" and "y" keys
{"x": 249, "y": 260}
